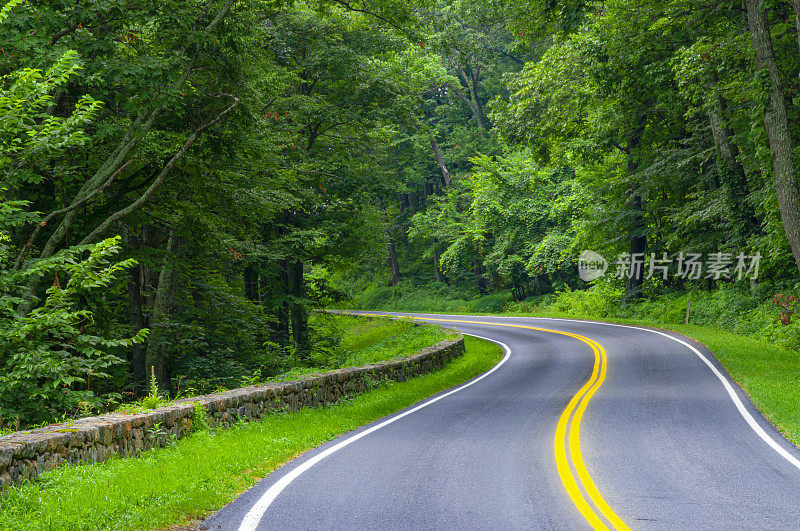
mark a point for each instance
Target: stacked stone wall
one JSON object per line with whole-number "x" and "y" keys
{"x": 26, "y": 454}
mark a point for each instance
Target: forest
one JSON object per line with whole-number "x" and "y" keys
{"x": 184, "y": 184}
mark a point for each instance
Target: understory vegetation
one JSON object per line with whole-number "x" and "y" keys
{"x": 744, "y": 310}
{"x": 202, "y": 472}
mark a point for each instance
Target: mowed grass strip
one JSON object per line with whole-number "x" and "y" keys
{"x": 366, "y": 340}
{"x": 371, "y": 340}
{"x": 202, "y": 472}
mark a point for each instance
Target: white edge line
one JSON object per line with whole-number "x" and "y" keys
{"x": 748, "y": 417}
{"x": 253, "y": 517}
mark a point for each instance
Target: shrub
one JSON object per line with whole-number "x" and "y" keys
{"x": 53, "y": 357}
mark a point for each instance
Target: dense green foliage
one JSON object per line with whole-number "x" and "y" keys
{"x": 262, "y": 159}
{"x": 625, "y": 127}
{"x": 199, "y": 474}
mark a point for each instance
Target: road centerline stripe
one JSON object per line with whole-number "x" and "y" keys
{"x": 570, "y": 421}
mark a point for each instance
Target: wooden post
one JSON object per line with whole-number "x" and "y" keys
{"x": 688, "y": 303}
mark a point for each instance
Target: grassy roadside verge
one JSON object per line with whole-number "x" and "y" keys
{"x": 363, "y": 340}
{"x": 203, "y": 472}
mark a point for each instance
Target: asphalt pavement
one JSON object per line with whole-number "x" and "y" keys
{"x": 664, "y": 439}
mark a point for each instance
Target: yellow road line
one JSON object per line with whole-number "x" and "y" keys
{"x": 570, "y": 421}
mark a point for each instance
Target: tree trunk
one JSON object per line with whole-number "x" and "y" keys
{"x": 156, "y": 357}
{"x": 392, "y": 256}
{"x": 731, "y": 170}
{"x": 136, "y": 278}
{"x": 483, "y": 288}
{"x": 638, "y": 237}
{"x": 135, "y": 311}
{"x": 436, "y": 263}
{"x": 390, "y": 251}
{"x": 299, "y": 315}
{"x": 776, "y": 124}
{"x": 637, "y": 231}
{"x": 251, "y": 284}
{"x": 440, "y": 161}
{"x": 282, "y": 334}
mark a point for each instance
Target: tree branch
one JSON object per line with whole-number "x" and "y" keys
{"x": 51, "y": 215}
{"x": 163, "y": 175}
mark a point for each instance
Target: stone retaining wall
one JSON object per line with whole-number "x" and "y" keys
{"x": 26, "y": 454}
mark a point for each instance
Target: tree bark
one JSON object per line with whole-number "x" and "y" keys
{"x": 637, "y": 230}
{"x": 436, "y": 263}
{"x": 440, "y": 160}
{"x": 480, "y": 279}
{"x": 731, "y": 170}
{"x": 138, "y": 320}
{"x": 390, "y": 251}
{"x": 251, "y": 284}
{"x": 776, "y": 123}
{"x": 282, "y": 310}
{"x": 638, "y": 238}
{"x": 298, "y": 309}
{"x": 156, "y": 357}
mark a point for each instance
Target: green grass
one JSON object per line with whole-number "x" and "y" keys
{"x": 365, "y": 340}
{"x": 370, "y": 340}
{"x": 203, "y": 472}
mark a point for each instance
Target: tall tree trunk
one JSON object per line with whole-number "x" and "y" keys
{"x": 480, "y": 279}
{"x": 440, "y": 160}
{"x": 298, "y": 309}
{"x": 731, "y": 170}
{"x": 251, "y": 284}
{"x": 392, "y": 256}
{"x": 136, "y": 279}
{"x": 638, "y": 238}
{"x": 436, "y": 262}
{"x": 157, "y": 354}
{"x": 391, "y": 253}
{"x": 776, "y": 123}
{"x": 136, "y": 313}
{"x": 282, "y": 310}
{"x": 413, "y": 201}
{"x": 637, "y": 231}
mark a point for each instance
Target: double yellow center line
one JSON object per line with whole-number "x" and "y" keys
{"x": 579, "y": 484}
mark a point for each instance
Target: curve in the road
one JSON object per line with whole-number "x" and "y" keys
{"x": 567, "y": 437}
{"x": 667, "y": 445}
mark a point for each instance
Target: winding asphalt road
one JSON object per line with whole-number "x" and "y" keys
{"x": 664, "y": 444}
